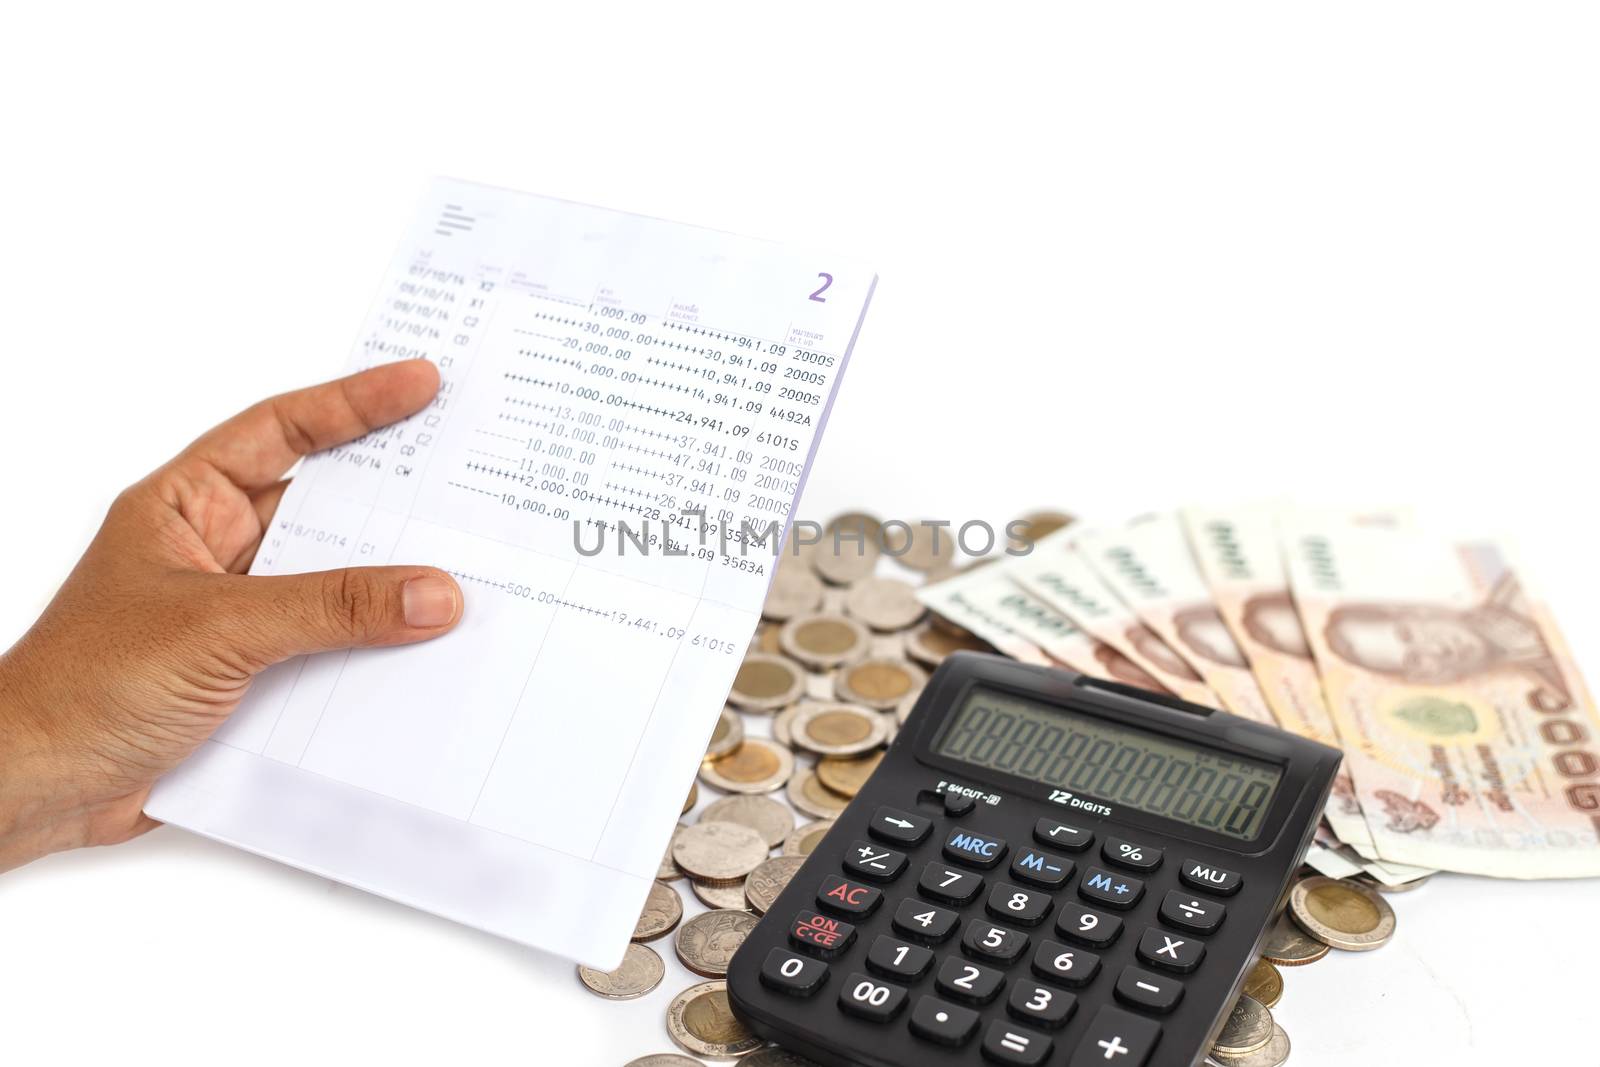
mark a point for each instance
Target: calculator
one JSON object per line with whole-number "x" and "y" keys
{"x": 1046, "y": 868}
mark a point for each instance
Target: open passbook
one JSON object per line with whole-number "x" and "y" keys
{"x": 600, "y": 370}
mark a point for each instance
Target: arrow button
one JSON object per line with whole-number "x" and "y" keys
{"x": 898, "y": 827}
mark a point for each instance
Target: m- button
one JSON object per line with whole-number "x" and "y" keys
{"x": 974, "y": 850}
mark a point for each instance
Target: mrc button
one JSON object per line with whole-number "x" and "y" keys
{"x": 1197, "y": 874}
{"x": 975, "y": 850}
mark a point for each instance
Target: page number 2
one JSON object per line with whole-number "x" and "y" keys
{"x": 827, "y": 280}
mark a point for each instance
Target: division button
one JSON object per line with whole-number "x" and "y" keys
{"x": 869, "y": 999}
{"x": 1172, "y": 952}
{"x": 1188, "y": 912}
{"x": 1197, "y": 874}
{"x": 1148, "y": 990}
{"x": 933, "y": 1019}
{"x": 975, "y": 850}
{"x": 898, "y": 827}
{"x": 1007, "y": 1043}
{"x": 1111, "y": 889}
{"x": 1116, "y": 1038}
{"x": 795, "y": 975}
{"x": 1055, "y": 834}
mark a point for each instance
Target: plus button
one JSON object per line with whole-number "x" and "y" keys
{"x": 1114, "y": 1047}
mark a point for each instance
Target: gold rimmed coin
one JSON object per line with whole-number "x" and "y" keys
{"x": 919, "y": 546}
{"x": 1265, "y": 983}
{"x": 765, "y": 816}
{"x": 700, "y": 1022}
{"x": 766, "y": 683}
{"x": 929, "y": 644}
{"x": 728, "y": 897}
{"x": 1247, "y": 1028}
{"x": 795, "y": 590}
{"x": 756, "y": 766}
{"x": 768, "y": 880}
{"x": 641, "y": 971}
{"x": 719, "y": 852}
{"x": 728, "y": 735}
{"x": 1341, "y": 913}
{"x": 803, "y": 841}
{"x": 837, "y": 730}
{"x": 824, "y": 640}
{"x": 807, "y": 793}
{"x": 1289, "y": 946}
{"x": 1275, "y": 1053}
{"x": 780, "y": 725}
{"x": 707, "y": 942}
{"x": 884, "y": 603}
{"x": 846, "y": 776}
{"x": 663, "y": 910}
{"x": 878, "y": 682}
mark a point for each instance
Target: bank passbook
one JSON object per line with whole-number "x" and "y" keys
{"x": 628, "y": 412}
{"x": 1045, "y": 868}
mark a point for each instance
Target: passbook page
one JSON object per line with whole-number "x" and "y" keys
{"x": 628, "y": 411}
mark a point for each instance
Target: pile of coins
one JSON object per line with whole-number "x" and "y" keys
{"x": 1323, "y": 914}
{"x": 832, "y": 672}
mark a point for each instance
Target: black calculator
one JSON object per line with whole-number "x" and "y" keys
{"x": 1045, "y": 869}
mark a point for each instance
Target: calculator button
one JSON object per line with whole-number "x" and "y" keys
{"x": 896, "y": 959}
{"x": 1133, "y": 856}
{"x": 958, "y": 804}
{"x": 933, "y": 1019}
{"x": 1147, "y": 990}
{"x": 949, "y": 884}
{"x": 1069, "y": 966}
{"x": 1060, "y": 835}
{"x": 1188, "y": 912}
{"x": 791, "y": 974}
{"x": 975, "y": 850}
{"x": 1021, "y": 906}
{"x": 924, "y": 922}
{"x": 821, "y": 935}
{"x": 1111, "y": 889}
{"x": 990, "y": 942}
{"x": 847, "y": 897}
{"x": 1041, "y": 1005}
{"x": 1170, "y": 951}
{"x": 1097, "y": 929}
{"x": 898, "y": 827}
{"x": 1197, "y": 874}
{"x": 866, "y": 860}
{"x": 1041, "y": 868}
{"x": 968, "y": 981}
{"x": 1008, "y": 1044}
{"x": 1116, "y": 1038}
{"x": 872, "y": 1000}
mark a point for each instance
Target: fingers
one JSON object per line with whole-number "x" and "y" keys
{"x": 276, "y": 617}
{"x": 256, "y": 447}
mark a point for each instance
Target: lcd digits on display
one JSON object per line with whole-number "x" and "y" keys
{"x": 1043, "y": 743}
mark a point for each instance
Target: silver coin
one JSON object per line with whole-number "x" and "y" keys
{"x": 719, "y": 852}
{"x": 641, "y": 971}
{"x": 663, "y": 1059}
{"x": 728, "y": 735}
{"x": 795, "y": 590}
{"x": 885, "y": 603}
{"x": 768, "y": 880}
{"x": 1247, "y": 1028}
{"x": 699, "y": 1021}
{"x": 728, "y": 897}
{"x": 765, "y": 816}
{"x": 669, "y": 869}
{"x": 663, "y": 910}
{"x": 837, "y": 730}
{"x": 1275, "y": 1053}
{"x": 707, "y": 942}
{"x": 773, "y": 1056}
{"x": 807, "y": 838}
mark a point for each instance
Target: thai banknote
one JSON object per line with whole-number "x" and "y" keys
{"x": 1055, "y": 574}
{"x": 1469, "y": 735}
{"x": 1148, "y": 564}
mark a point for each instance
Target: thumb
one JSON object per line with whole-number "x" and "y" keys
{"x": 359, "y": 607}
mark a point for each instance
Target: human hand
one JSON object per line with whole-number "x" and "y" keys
{"x": 154, "y": 637}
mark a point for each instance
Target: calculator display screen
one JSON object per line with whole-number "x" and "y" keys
{"x": 1059, "y": 748}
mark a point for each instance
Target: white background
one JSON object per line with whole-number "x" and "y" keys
{"x": 1130, "y": 258}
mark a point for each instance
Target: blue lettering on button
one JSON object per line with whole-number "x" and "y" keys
{"x": 975, "y": 845}
{"x": 1033, "y": 861}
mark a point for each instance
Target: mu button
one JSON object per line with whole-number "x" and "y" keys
{"x": 847, "y": 897}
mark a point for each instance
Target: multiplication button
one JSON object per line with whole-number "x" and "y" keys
{"x": 1109, "y": 888}
{"x": 1161, "y": 949}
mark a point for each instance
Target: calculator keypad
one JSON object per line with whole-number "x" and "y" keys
{"x": 1007, "y": 961}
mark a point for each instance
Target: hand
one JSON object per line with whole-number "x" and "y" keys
{"x": 154, "y": 637}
